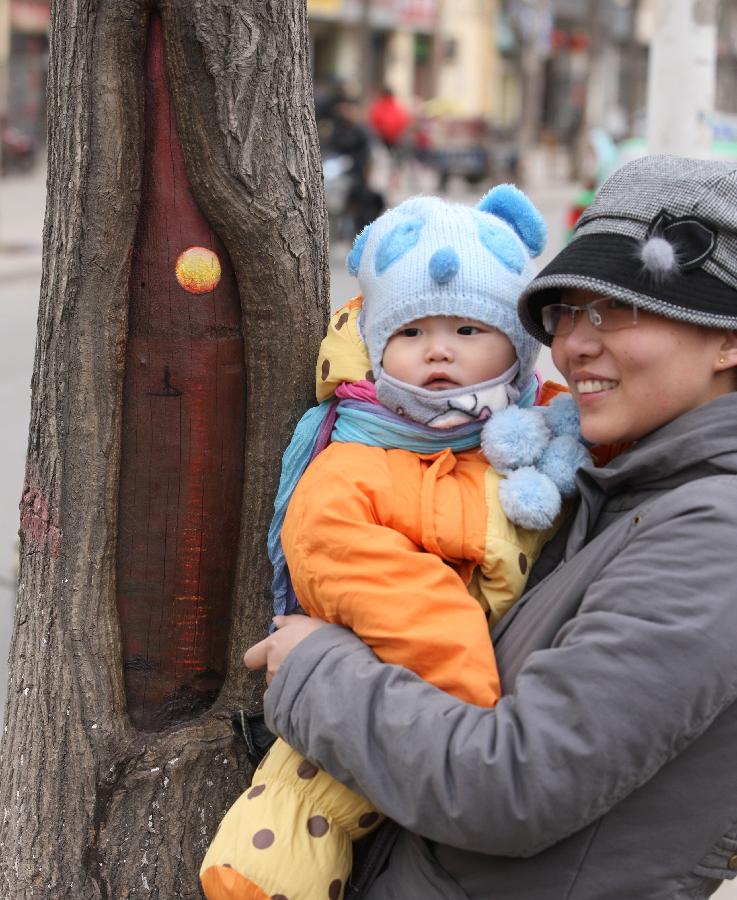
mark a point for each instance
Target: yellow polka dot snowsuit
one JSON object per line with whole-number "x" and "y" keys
{"x": 413, "y": 553}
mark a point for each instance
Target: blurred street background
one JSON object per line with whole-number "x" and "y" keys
{"x": 430, "y": 96}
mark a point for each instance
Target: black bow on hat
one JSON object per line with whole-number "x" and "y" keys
{"x": 693, "y": 239}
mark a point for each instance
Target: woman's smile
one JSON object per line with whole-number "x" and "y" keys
{"x": 593, "y": 385}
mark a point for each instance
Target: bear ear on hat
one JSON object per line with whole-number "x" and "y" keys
{"x": 507, "y": 202}
{"x": 353, "y": 260}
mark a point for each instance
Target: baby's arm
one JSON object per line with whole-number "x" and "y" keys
{"x": 407, "y": 604}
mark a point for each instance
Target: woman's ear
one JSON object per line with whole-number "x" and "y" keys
{"x": 727, "y": 358}
{"x": 726, "y": 361}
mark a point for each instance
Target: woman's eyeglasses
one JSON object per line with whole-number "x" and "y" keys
{"x": 605, "y": 313}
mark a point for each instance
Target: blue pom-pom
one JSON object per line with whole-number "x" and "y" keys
{"x": 400, "y": 240}
{"x": 562, "y": 416}
{"x": 444, "y": 265}
{"x": 514, "y": 437}
{"x": 563, "y": 457}
{"x": 353, "y": 260}
{"x": 509, "y": 203}
{"x": 529, "y": 499}
{"x": 503, "y": 244}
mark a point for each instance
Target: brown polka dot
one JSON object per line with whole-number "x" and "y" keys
{"x": 227, "y": 866}
{"x": 368, "y": 819}
{"x": 256, "y": 791}
{"x": 325, "y": 371}
{"x": 341, "y": 321}
{"x": 263, "y": 839}
{"x": 370, "y": 376}
{"x": 335, "y": 889}
{"x": 522, "y": 563}
{"x": 278, "y": 897}
{"x": 318, "y": 826}
{"x": 307, "y": 769}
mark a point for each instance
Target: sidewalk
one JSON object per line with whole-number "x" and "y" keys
{"x": 22, "y": 200}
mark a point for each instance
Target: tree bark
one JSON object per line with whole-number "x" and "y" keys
{"x": 93, "y": 807}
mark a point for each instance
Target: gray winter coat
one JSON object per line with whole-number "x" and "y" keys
{"x": 609, "y": 768}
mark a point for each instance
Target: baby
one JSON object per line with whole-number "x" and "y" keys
{"x": 400, "y": 527}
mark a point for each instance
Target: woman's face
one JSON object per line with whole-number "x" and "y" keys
{"x": 629, "y": 382}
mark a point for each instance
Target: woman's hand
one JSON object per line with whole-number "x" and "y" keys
{"x": 273, "y": 650}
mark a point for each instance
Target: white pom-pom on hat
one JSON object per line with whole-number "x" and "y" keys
{"x": 659, "y": 257}
{"x": 530, "y": 499}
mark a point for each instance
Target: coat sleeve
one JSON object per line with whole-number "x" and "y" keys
{"x": 350, "y": 568}
{"x": 627, "y": 685}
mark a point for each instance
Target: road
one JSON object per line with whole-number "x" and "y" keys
{"x": 21, "y": 221}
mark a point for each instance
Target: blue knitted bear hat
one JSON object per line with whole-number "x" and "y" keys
{"x": 429, "y": 257}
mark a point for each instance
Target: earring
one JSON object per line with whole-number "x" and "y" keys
{"x": 721, "y": 360}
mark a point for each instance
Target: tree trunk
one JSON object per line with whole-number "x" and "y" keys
{"x": 117, "y": 763}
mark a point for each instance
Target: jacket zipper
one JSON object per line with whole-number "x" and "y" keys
{"x": 376, "y": 855}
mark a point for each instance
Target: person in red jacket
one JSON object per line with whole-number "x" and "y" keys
{"x": 390, "y": 120}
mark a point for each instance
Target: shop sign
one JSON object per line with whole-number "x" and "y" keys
{"x": 30, "y": 17}
{"x": 330, "y": 8}
{"x": 418, "y": 13}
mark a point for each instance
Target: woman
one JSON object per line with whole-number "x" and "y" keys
{"x": 607, "y": 770}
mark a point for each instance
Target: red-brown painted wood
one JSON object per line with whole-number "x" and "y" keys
{"x": 182, "y": 442}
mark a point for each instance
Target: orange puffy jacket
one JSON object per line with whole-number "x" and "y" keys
{"x": 410, "y": 551}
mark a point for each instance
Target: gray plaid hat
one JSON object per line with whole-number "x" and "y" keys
{"x": 661, "y": 234}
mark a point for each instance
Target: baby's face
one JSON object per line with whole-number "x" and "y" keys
{"x": 443, "y": 352}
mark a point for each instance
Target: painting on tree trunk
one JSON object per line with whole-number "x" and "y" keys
{"x": 183, "y": 436}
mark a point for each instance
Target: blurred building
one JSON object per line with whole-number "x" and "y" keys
{"x": 726, "y": 99}
{"x": 469, "y": 71}
{"x": 591, "y": 66}
{"x": 597, "y": 68}
{"x": 24, "y": 52}
{"x": 445, "y": 50}
{"x": 365, "y": 44}
{"x": 500, "y": 60}
{"x": 542, "y": 68}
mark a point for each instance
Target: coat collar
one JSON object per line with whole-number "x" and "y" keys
{"x": 699, "y": 443}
